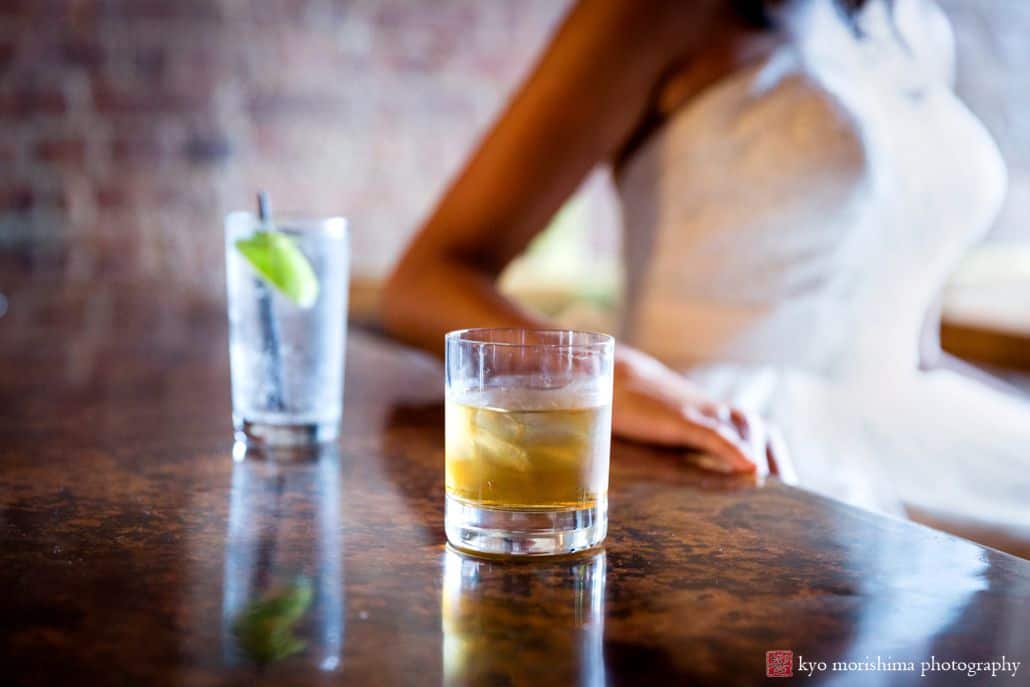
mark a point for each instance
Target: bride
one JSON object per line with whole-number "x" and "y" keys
{"x": 797, "y": 180}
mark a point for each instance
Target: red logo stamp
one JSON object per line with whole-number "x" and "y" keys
{"x": 779, "y": 663}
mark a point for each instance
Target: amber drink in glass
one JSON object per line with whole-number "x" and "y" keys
{"x": 528, "y": 435}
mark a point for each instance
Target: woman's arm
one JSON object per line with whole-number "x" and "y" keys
{"x": 591, "y": 89}
{"x": 587, "y": 93}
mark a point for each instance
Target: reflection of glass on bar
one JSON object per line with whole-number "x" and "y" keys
{"x": 282, "y": 598}
{"x": 528, "y": 434}
{"x": 540, "y": 623}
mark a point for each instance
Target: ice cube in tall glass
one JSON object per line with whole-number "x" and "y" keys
{"x": 287, "y": 357}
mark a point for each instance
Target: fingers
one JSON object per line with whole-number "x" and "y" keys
{"x": 770, "y": 456}
{"x": 781, "y": 454}
{"x": 739, "y": 441}
{"x": 713, "y": 431}
{"x": 766, "y": 443}
{"x": 729, "y": 439}
{"x": 740, "y": 421}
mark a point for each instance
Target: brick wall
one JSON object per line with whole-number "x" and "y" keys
{"x": 129, "y": 127}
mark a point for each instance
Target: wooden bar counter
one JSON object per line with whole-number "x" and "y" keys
{"x": 135, "y": 551}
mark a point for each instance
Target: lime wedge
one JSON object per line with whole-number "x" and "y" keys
{"x": 277, "y": 259}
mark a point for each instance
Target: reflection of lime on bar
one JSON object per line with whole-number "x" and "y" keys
{"x": 265, "y": 629}
{"x": 279, "y": 261}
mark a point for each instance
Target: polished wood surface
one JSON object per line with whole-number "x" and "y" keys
{"x": 135, "y": 551}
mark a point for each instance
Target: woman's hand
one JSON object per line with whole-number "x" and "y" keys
{"x": 654, "y": 404}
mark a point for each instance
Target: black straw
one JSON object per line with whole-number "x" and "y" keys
{"x": 268, "y": 327}
{"x": 264, "y": 213}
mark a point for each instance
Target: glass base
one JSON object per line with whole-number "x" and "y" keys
{"x": 493, "y": 531}
{"x": 284, "y": 440}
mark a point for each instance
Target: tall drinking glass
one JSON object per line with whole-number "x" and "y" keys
{"x": 287, "y": 301}
{"x": 528, "y": 437}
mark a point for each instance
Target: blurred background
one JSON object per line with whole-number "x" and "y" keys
{"x": 128, "y": 128}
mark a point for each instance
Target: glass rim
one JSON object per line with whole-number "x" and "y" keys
{"x": 597, "y": 341}
{"x": 293, "y": 221}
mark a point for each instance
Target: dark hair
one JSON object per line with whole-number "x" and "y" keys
{"x": 760, "y": 13}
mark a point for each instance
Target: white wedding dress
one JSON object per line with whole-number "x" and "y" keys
{"x": 789, "y": 230}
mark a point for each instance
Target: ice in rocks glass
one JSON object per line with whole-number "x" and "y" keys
{"x": 528, "y": 439}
